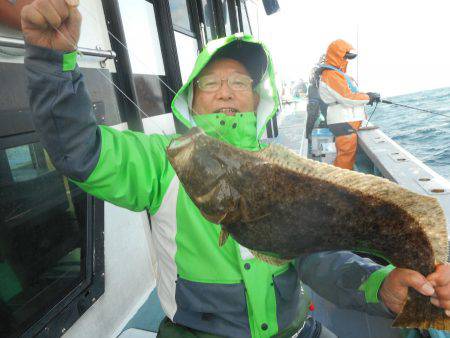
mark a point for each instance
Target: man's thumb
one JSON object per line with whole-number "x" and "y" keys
{"x": 72, "y": 3}
{"x": 420, "y": 283}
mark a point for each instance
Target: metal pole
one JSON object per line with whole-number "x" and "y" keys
{"x": 359, "y": 55}
{"x": 18, "y": 43}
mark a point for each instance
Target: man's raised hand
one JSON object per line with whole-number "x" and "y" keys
{"x": 52, "y": 24}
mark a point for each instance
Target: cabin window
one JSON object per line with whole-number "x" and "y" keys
{"x": 141, "y": 34}
{"x": 187, "y": 49}
{"x": 43, "y": 229}
{"x": 249, "y": 13}
{"x": 144, "y": 50}
{"x": 185, "y": 37}
{"x": 208, "y": 17}
{"x": 243, "y": 17}
{"x": 48, "y": 274}
{"x": 226, "y": 16}
{"x": 181, "y": 19}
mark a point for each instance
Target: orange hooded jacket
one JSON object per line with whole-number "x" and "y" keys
{"x": 343, "y": 104}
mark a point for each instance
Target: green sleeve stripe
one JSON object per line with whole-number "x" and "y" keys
{"x": 373, "y": 283}
{"x": 69, "y": 61}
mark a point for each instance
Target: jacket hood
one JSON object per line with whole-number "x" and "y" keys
{"x": 336, "y": 52}
{"x": 255, "y": 57}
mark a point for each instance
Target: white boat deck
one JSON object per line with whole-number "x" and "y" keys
{"x": 291, "y": 127}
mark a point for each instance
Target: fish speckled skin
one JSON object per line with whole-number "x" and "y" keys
{"x": 275, "y": 201}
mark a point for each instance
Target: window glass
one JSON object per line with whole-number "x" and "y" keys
{"x": 208, "y": 14}
{"x": 180, "y": 14}
{"x": 245, "y": 19}
{"x": 42, "y": 226}
{"x": 141, "y": 34}
{"x": 226, "y": 17}
{"x": 187, "y": 54}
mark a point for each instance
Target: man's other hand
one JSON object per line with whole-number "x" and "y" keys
{"x": 373, "y": 97}
{"x": 440, "y": 279}
{"x": 394, "y": 291}
{"x": 52, "y": 24}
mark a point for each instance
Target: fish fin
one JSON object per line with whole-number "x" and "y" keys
{"x": 425, "y": 209}
{"x": 419, "y": 313}
{"x": 216, "y": 219}
{"x": 223, "y": 237}
{"x": 269, "y": 259}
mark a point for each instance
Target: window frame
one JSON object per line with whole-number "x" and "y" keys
{"x": 60, "y": 316}
{"x": 67, "y": 311}
{"x": 123, "y": 78}
{"x": 124, "y": 75}
{"x": 231, "y": 5}
{"x": 241, "y": 17}
{"x": 193, "y": 17}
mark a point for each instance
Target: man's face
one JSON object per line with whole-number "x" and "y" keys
{"x": 224, "y": 100}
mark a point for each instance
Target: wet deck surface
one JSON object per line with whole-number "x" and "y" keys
{"x": 291, "y": 127}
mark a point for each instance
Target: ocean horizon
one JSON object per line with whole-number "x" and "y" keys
{"x": 425, "y": 135}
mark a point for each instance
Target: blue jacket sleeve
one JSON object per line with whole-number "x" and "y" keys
{"x": 62, "y": 114}
{"x": 337, "y": 276}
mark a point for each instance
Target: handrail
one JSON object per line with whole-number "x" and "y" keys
{"x": 19, "y": 43}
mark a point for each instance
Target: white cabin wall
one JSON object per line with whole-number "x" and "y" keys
{"x": 130, "y": 262}
{"x": 129, "y": 277}
{"x": 159, "y": 124}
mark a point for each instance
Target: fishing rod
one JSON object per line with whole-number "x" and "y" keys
{"x": 415, "y": 108}
{"x": 404, "y": 106}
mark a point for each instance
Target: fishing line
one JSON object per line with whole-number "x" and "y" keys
{"x": 405, "y": 106}
{"x": 415, "y": 108}
{"x": 144, "y": 64}
{"x": 105, "y": 77}
{"x": 372, "y": 113}
{"x": 72, "y": 44}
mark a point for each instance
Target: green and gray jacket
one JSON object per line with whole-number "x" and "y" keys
{"x": 223, "y": 291}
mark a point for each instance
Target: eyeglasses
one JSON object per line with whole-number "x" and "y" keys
{"x": 237, "y": 82}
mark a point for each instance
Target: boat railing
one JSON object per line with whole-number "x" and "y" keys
{"x": 20, "y": 44}
{"x": 397, "y": 164}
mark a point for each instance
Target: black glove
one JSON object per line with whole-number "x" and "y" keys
{"x": 373, "y": 97}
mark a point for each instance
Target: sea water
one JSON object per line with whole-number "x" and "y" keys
{"x": 425, "y": 135}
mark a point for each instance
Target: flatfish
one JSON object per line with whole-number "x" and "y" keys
{"x": 282, "y": 205}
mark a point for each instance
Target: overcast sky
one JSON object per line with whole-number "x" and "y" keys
{"x": 404, "y": 46}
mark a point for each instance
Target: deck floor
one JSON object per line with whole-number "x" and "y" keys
{"x": 291, "y": 127}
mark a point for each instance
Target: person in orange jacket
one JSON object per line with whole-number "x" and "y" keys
{"x": 345, "y": 103}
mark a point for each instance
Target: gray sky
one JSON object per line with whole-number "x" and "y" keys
{"x": 404, "y": 46}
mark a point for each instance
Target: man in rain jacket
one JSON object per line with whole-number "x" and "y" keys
{"x": 205, "y": 291}
{"x": 345, "y": 104}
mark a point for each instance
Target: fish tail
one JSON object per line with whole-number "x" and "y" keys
{"x": 418, "y": 312}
